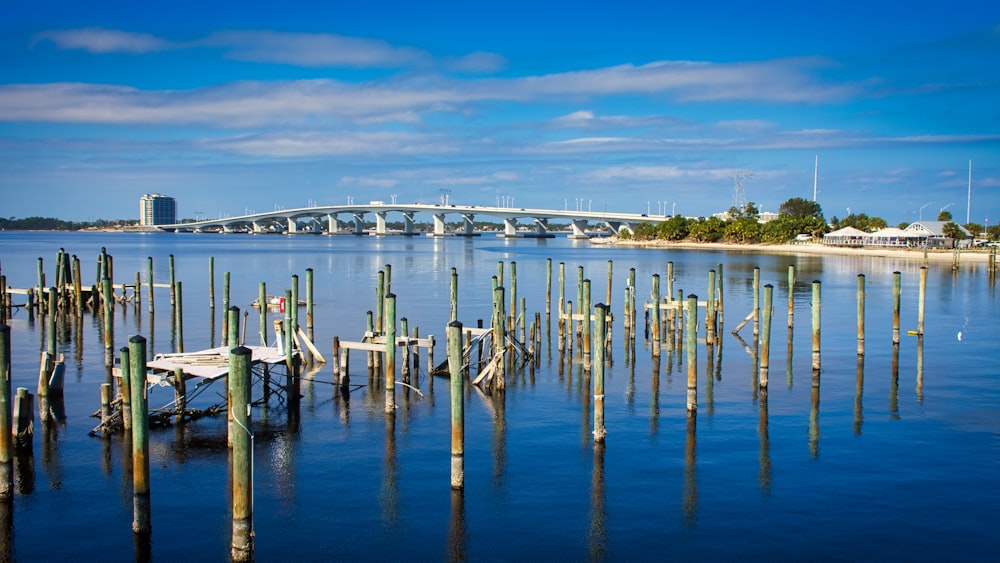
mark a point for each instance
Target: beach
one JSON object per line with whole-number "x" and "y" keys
{"x": 965, "y": 255}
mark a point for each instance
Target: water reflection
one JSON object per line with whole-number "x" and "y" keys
{"x": 894, "y": 385}
{"x": 858, "y": 392}
{"x": 6, "y": 531}
{"x": 389, "y": 493}
{"x": 458, "y": 534}
{"x": 814, "y": 423}
{"x": 598, "y": 534}
{"x": 690, "y": 500}
{"x": 654, "y": 399}
{"x": 920, "y": 369}
{"x": 765, "y": 445}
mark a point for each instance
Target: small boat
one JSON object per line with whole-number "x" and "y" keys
{"x": 275, "y": 302}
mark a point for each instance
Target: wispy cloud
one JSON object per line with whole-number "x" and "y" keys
{"x": 98, "y": 40}
{"x": 313, "y": 144}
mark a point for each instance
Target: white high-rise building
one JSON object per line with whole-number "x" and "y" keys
{"x": 157, "y": 209}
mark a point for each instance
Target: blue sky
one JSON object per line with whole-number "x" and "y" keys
{"x": 624, "y": 106}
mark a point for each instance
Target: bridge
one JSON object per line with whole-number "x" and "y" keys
{"x": 325, "y": 220}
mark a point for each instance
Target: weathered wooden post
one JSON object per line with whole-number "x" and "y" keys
{"x": 600, "y": 324}
{"x": 562, "y": 302}
{"x": 149, "y": 280}
{"x": 125, "y": 383}
{"x": 499, "y": 340}
{"x": 457, "y": 406}
{"x": 170, "y": 264}
{"x": 585, "y": 311}
{"x": 513, "y": 294}
{"x": 225, "y": 307}
{"x": 294, "y": 304}
{"x": 390, "y": 354}
{"x": 53, "y": 311}
{"x": 719, "y": 308}
{"x": 309, "y": 302}
{"x": 655, "y": 316}
{"x": 211, "y": 282}
{"x": 692, "y": 353}
{"x": 140, "y": 437}
{"x": 262, "y": 300}
{"x": 6, "y": 457}
{"x": 816, "y": 305}
{"x": 861, "y": 314}
{"x": 921, "y": 300}
{"x": 78, "y": 287}
{"x": 791, "y": 295}
{"x": 242, "y": 440}
{"x": 548, "y": 287}
{"x": 404, "y": 368}
{"x": 631, "y": 284}
{"x": 765, "y": 337}
{"x": 379, "y": 305}
{"x": 180, "y": 394}
{"x": 895, "y": 307}
{"x": 23, "y": 419}
{"x": 670, "y": 281}
{"x": 710, "y": 310}
{"x": 454, "y": 294}
{"x": 106, "y": 396}
{"x": 179, "y": 311}
{"x": 607, "y": 297}
{"x": 234, "y": 326}
{"x": 756, "y": 302}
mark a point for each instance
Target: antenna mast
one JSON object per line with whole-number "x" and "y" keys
{"x": 445, "y": 192}
{"x": 739, "y": 196}
{"x": 815, "y": 178}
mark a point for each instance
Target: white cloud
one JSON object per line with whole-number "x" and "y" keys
{"x": 97, "y": 40}
{"x": 311, "y": 144}
{"x": 315, "y": 49}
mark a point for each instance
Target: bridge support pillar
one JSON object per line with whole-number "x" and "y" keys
{"x": 579, "y": 228}
{"x": 408, "y": 223}
{"x": 510, "y": 227}
{"x": 359, "y": 223}
{"x": 469, "y": 221}
{"x": 380, "y": 223}
{"x": 257, "y": 228}
{"x": 543, "y": 226}
{"x": 439, "y": 224}
{"x": 331, "y": 223}
{"x": 293, "y": 226}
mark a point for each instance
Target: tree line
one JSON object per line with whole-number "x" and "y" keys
{"x": 795, "y": 216}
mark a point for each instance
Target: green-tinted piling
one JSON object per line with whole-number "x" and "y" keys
{"x": 791, "y": 295}
{"x": 816, "y": 306}
{"x": 211, "y": 282}
{"x": 390, "y": 354}
{"x": 861, "y": 314}
{"x": 499, "y": 339}
{"x": 225, "y": 307}
{"x": 149, "y": 280}
{"x": 380, "y": 302}
{"x": 294, "y": 304}
{"x": 179, "y": 312}
{"x": 585, "y": 310}
{"x": 719, "y": 307}
{"x": 454, "y": 294}
{"x": 234, "y": 326}
{"x": 600, "y": 324}
{"x": 242, "y": 440}
{"x": 125, "y": 383}
{"x": 765, "y": 336}
{"x": 896, "y": 287}
{"x": 692, "y": 353}
{"x": 548, "y": 287}
{"x": 655, "y": 315}
{"x": 921, "y": 300}
{"x": 309, "y": 301}
{"x": 710, "y": 309}
{"x": 457, "y": 388}
{"x": 756, "y": 302}
{"x": 173, "y": 279}
{"x": 141, "y": 523}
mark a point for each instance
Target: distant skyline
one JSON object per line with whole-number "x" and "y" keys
{"x": 632, "y": 106}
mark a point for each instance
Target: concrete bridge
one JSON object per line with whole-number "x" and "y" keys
{"x": 325, "y": 220}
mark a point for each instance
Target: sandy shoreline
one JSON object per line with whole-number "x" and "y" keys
{"x": 808, "y": 248}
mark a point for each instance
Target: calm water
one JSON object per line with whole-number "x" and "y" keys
{"x": 875, "y": 466}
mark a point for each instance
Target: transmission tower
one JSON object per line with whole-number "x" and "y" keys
{"x": 739, "y": 196}
{"x": 445, "y": 192}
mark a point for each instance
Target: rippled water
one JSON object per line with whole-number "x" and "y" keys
{"x": 877, "y": 464}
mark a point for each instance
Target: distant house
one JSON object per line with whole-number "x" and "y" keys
{"x": 931, "y": 234}
{"x": 889, "y": 237}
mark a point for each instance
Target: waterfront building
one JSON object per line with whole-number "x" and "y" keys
{"x": 157, "y": 209}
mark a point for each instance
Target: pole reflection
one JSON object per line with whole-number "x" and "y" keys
{"x": 598, "y": 533}
{"x": 690, "y": 500}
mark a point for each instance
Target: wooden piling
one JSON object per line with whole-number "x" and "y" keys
{"x": 600, "y": 324}
{"x": 921, "y": 300}
{"x": 211, "y": 282}
{"x": 513, "y": 294}
{"x": 896, "y": 284}
{"x": 125, "y": 388}
{"x": 585, "y": 310}
{"x": 179, "y": 312}
{"x": 765, "y": 337}
{"x": 141, "y": 523}
{"x": 756, "y": 302}
{"x": 262, "y": 301}
{"x": 816, "y": 305}
{"x": 53, "y": 311}
{"x": 548, "y": 287}
{"x": 294, "y": 305}
{"x": 225, "y": 309}
{"x": 607, "y": 295}
{"x": 234, "y": 326}
{"x": 791, "y": 295}
{"x": 242, "y": 440}
{"x": 454, "y": 294}
{"x": 78, "y": 287}
{"x": 173, "y": 279}
{"x": 861, "y": 314}
{"x": 670, "y": 281}
{"x": 692, "y": 353}
{"x": 404, "y": 367}
{"x": 149, "y": 280}
{"x": 390, "y": 354}
{"x": 719, "y": 307}
{"x": 655, "y": 315}
{"x": 499, "y": 339}
{"x": 180, "y": 394}
{"x": 379, "y": 305}
{"x": 710, "y": 310}
{"x": 457, "y": 387}
{"x": 309, "y": 302}
{"x": 23, "y": 419}
{"x": 6, "y": 412}
{"x": 106, "y": 393}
